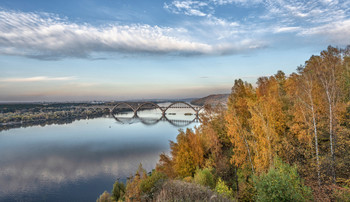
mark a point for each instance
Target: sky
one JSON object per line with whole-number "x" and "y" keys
{"x": 84, "y": 50}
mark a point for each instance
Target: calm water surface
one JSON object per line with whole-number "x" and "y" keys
{"x": 78, "y": 161}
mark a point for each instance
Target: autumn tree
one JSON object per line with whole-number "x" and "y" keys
{"x": 304, "y": 91}
{"x": 238, "y": 127}
{"x": 133, "y": 191}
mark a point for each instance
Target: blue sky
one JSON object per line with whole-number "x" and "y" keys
{"x": 137, "y": 49}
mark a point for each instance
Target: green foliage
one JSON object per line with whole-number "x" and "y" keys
{"x": 341, "y": 194}
{"x": 151, "y": 184}
{"x": 223, "y": 189}
{"x": 205, "y": 178}
{"x": 118, "y": 190}
{"x": 247, "y": 191}
{"x": 281, "y": 183}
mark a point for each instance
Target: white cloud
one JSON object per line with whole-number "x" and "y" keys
{"x": 307, "y": 12}
{"x": 212, "y": 20}
{"x": 286, "y": 29}
{"x": 242, "y": 2}
{"x": 187, "y": 7}
{"x": 44, "y": 36}
{"x": 36, "y": 79}
{"x": 277, "y": 17}
{"x": 337, "y": 32}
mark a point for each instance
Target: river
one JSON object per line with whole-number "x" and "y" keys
{"x": 80, "y": 160}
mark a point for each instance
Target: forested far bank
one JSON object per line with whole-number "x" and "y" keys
{"x": 29, "y": 114}
{"x": 287, "y": 139}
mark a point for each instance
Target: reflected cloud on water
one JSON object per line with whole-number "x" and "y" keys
{"x": 59, "y": 162}
{"x": 70, "y": 165}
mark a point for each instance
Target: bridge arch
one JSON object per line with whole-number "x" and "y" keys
{"x": 125, "y": 120}
{"x": 145, "y": 103}
{"x": 121, "y": 103}
{"x": 180, "y": 123}
{"x": 180, "y": 102}
{"x": 149, "y": 122}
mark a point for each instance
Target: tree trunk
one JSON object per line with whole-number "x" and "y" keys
{"x": 316, "y": 143}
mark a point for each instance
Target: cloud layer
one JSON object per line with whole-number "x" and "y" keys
{"x": 262, "y": 19}
{"x": 203, "y": 30}
{"x": 46, "y": 36}
{"x": 36, "y": 79}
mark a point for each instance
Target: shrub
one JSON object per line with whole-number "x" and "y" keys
{"x": 187, "y": 179}
{"x": 152, "y": 184}
{"x": 281, "y": 183}
{"x": 205, "y": 178}
{"x": 175, "y": 190}
{"x": 223, "y": 189}
{"x": 118, "y": 190}
{"x": 246, "y": 191}
{"x": 341, "y": 194}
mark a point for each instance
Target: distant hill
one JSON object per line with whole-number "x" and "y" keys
{"x": 212, "y": 100}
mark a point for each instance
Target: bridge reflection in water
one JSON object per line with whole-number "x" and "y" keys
{"x": 136, "y": 107}
{"x": 153, "y": 121}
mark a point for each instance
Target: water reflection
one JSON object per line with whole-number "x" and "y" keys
{"x": 149, "y": 121}
{"x": 58, "y": 166}
{"x": 78, "y": 161}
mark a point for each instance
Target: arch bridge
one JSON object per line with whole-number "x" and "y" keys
{"x": 136, "y": 107}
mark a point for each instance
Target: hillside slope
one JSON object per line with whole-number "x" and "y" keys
{"x": 212, "y": 100}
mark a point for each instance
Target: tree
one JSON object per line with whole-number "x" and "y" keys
{"x": 133, "y": 191}
{"x": 281, "y": 183}
{"x": 118, "y": 190}
{"x": 105, "y": 197}
{"x": 327, "y": 68}
{"x": 305, "y": 95}
{"x": 187, "y": 153}
{"x": 238, "y": 127}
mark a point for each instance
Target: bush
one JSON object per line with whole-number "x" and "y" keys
{"x": 281, "y": 183}
{"x": 152, "y": 184}
{"x": 187, "y": 179}
{"x": 175, "y": 190}
{"x": 118, "y": 190}
{"x": 341, "y": 194}
{"x": 223, "y": 189}
{"x": 205, "y": 178}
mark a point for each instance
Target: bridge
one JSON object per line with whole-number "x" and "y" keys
{"x": 137, "y": 106}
